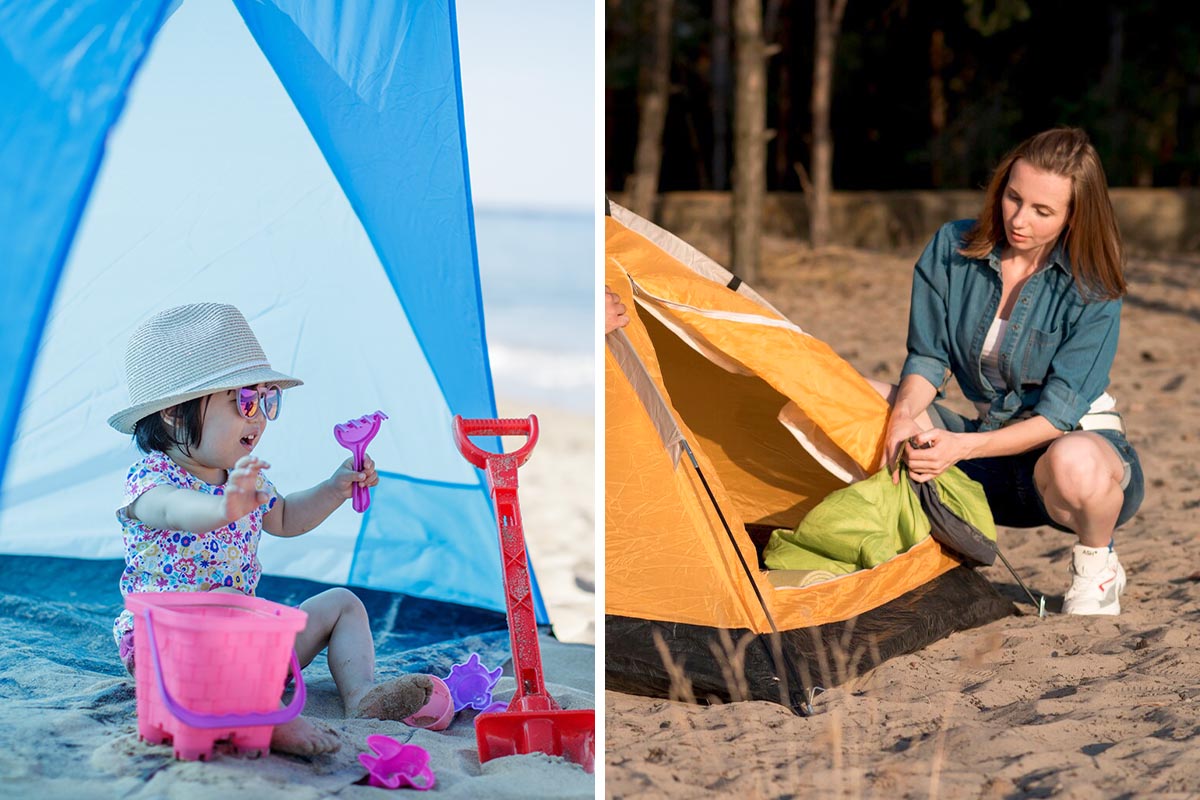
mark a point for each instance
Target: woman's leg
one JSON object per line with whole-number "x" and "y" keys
{"x": 1079, "y": 480}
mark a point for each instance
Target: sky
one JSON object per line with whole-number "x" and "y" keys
{"x": 207, "y": 118}
{"x": 529, "y": 85}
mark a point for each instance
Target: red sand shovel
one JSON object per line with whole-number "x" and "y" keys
{"x": 533, "y": 722}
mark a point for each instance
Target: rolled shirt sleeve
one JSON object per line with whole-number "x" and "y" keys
{"x": 928, "y": 316}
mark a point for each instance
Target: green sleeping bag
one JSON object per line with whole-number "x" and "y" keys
{"x": 873, "y": 520}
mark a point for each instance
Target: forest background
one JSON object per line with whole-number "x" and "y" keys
{"x": 915, "y": 95}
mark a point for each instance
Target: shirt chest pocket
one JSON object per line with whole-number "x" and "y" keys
{"x": 1038, "y": 350}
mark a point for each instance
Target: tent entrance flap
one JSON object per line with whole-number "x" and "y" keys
{"x": 771, "y": 479}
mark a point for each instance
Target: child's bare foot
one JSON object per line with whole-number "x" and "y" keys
{"x": 302, "y": 737}
{"x": 397, "y": 699}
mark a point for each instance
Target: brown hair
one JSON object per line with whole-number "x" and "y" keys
{"x": 1092, "y": 238}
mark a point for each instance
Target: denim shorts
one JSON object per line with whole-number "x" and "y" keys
{"x": 1008, "y": 480}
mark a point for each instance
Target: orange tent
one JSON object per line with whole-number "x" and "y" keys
{"x": 723, "y": 421}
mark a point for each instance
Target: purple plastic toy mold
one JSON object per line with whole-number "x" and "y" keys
{"x": 471, "y": 685}
{"x": 394, "y": 765}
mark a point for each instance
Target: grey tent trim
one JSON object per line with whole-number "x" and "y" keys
{"x": 687, "y": 255}
{"x": 652, "y": 400}
{"x": 951, "y": 530}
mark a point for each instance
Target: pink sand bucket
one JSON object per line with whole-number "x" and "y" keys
{"x": 211, "y": 666}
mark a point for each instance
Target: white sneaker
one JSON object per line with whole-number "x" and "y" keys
{"x": 1097, "y": 580}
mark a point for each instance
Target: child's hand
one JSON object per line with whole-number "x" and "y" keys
{"x": 242, "y": 494}
{"x": 614, "y": 312}
{"x": 345, "y": 477}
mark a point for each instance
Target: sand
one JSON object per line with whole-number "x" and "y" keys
{"x": 68, "y": 723}
{"x": 556, "y": 487}
{"x": 76, "y": 737}
{"x": 1059, "y": 707}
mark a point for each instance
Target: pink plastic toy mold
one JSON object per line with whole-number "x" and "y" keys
{"x": 438, "y": 713}
{"x": 355, "y": 435}
{"x": 471, "y": 685}
{"x": 393, "y": 765}
{"x": 211, "y": 667}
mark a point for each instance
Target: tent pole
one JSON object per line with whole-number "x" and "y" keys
{"x": 729, "y": 533}
{"x": 775, "y": 651}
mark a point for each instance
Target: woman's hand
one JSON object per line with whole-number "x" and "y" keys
{"x": 900, "y": 429}
{"x": 345, "y": 477}
{"x": 931, "y": 453}
{"x": 242, "y": 494}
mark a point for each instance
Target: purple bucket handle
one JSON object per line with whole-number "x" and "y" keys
{"x": 198, "y": 719}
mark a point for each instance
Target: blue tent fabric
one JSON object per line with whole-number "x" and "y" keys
{"x": 74, "y": 628}
{"x": 377, "y": 85}
{"x": 63, "y": 81}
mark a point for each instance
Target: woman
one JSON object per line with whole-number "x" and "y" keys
{"x": 1022, "y": 306}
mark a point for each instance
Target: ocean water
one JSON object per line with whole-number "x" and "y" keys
{"x": 538, "y": 275}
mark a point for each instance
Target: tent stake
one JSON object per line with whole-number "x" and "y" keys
{"x": 1040, "y": 606}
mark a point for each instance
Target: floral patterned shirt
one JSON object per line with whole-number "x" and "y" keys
{"x": 177, "y": 561}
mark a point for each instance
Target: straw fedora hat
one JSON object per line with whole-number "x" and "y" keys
{"x": 187, "y": 352}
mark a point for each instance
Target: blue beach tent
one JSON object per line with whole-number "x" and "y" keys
{"x": 344, "y": 233}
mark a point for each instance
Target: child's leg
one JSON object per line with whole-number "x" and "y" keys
{"x": 300, "y": 736}
{"x": 338, "y": 620}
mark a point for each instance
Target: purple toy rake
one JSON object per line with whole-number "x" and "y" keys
{"x": 355, "y": 435}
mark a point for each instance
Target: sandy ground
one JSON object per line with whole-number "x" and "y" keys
{"x": 1059, "y": 707}
{"x": 71, "y": 734}
{"x": 68, "y": 721}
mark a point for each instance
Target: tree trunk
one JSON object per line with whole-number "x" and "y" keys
{"x": 720, "y": 95}
{"x": 749, "y": 137}
{"x": 829, "y": 21}
{"x": 1114, "y": 129}
{"x": 654, "y": 86}
{"x": 780, "y": 35}
{"x": 937, "y": 106}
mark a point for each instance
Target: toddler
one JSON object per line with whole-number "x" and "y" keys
{"x": 201, "y": 393}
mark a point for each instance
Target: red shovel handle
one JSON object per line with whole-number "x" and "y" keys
{"x": 466, "y": 428}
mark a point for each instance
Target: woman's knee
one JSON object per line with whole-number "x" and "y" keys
{"x": 886, "y": 390}
{"x": 1076, "y": 468}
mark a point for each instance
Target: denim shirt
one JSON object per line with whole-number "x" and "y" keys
{"x": 1056, "y": 353}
